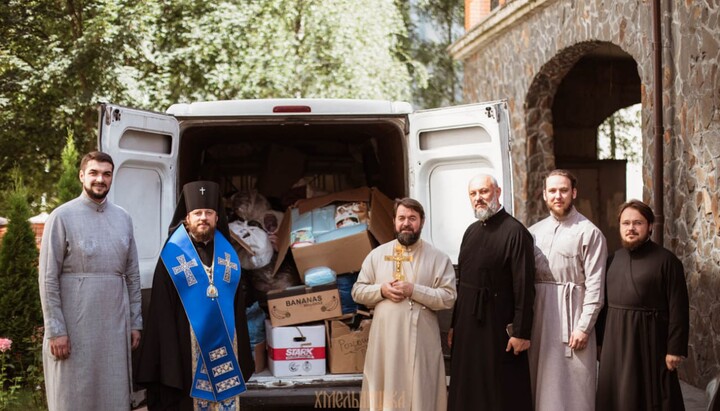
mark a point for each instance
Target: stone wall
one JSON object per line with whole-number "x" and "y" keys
{"x": 523, "y": 50}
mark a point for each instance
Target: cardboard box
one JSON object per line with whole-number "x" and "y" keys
{"x": 347, "y": 347}
{"x": 294, "y": 351}
{"x": 260, "y": 356}
{"x": 345, "y": 254}
{"x": 301, "y": 304}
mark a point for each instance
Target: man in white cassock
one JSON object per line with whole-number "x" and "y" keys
{"x": 90, "y": 293}
{"x": 406, "y": 281}
{"x": 570, "y": 258}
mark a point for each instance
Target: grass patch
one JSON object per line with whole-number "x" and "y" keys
{"x": 25, "y": 402}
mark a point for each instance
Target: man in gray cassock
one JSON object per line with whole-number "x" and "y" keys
{"x": 570, "y": 257}
{"x": 90, "y": 294}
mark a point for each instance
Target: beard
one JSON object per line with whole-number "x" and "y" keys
{"x": 407, "y": 238}
{"x": 492, "y": 208}
{"x": 563, "y": 212}
{"x": 94, "y": 195}
{"x": 202, "y": 235}
{"x": 634, "y": 244}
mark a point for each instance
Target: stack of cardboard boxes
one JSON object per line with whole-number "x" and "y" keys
{"x": 306, "y": 332}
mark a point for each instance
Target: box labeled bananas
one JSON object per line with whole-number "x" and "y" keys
{"x": 302, "y": 304}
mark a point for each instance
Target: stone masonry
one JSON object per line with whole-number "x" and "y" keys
{"x": 522, "y": 50}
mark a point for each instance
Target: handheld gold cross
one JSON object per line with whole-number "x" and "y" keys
{"x": 398, "y": 257}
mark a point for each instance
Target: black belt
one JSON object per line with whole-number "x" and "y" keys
{"x": 478, "y": 304}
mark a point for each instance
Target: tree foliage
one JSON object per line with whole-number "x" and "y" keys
{"x": 69, "y": 186}
{"x": 620, "y": 136}
{"x": 438, "y": 23}
{"x": 279, "y": 48}
{"x": 19, "y": 299}
{"x": 58, "y": 59}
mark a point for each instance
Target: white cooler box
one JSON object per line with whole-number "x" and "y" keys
{"x": 296, "y": 350}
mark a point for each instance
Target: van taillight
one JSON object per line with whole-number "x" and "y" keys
{"x": 291, "y": 109}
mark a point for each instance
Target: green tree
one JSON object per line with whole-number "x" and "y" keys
{"x": 620, "y": 136}
{"x": 69, "y": 186}
{"x": 58, "y": 59}
{"x": 19, "y": 300}
{"x": 278, "y": 48}
{"x": 435, "y": 25}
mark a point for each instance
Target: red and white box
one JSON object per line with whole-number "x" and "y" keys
{"x": 296, "y": 350}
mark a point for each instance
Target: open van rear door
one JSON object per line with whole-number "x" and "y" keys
{"x": 447, "y": 147}
{"x": 144, "y": 147}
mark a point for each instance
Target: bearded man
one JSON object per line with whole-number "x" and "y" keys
{"x": 406, "y": 281}
{"x": 196, "y": 353}
{"x": 570, "y": 257}
{"x": 647, "y": 320}
{"x": 90, "y": 294}
{"x": 493, "y": 314}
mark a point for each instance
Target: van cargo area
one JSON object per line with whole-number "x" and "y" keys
{"x": 274, "y": 154}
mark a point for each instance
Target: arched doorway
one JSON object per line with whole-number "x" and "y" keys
{"x": 570, "y": 97}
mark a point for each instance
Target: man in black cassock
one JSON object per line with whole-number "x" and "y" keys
{"x": 170, "y": 356}
{"x": 493, "y": 313}
{"x": 646, "y": 320}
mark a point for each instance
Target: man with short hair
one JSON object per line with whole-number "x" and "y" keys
{"x": 90, "y": 294}
{"x": 493, "y": 314}
{"x": 647, "y": 320}
{"x": 406, "y": 281}
{"x": 570, "y": 257}
{"x": 196, "y": 353}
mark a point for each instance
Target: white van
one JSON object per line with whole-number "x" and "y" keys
{"x": 429, "y": 155}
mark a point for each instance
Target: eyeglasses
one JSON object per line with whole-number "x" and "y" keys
{"x": 636, "y": 223}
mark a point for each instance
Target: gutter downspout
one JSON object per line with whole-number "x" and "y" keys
{"x": 658, "y": 160}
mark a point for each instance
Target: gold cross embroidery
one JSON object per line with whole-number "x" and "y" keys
{"x": 398, "y": 257}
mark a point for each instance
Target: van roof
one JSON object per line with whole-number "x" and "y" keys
{"x": 284, "y": 107}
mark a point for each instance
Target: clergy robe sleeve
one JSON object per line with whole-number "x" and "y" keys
{"x": 441, "y": 295}
{"x": 594, "y": 259}
{"x": 132, "y": 277}
{"x": 522, "y": 264}
{"x": 366, "y": 291}
{"x": 459, "y": 273}
{"x": 678, "y": 307}
{"x": 52, "y": 253}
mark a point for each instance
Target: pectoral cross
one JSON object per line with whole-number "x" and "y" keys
{"x": 398, "y": 257}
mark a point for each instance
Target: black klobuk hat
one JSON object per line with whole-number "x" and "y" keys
{"x": 201, "y": 194}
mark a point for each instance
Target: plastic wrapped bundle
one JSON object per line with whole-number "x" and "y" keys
{"x": 349, "y": 214}
{"x": 319, "y": 276}
{"x": 253, "y": 245}
{"x": 250, "y": 205}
